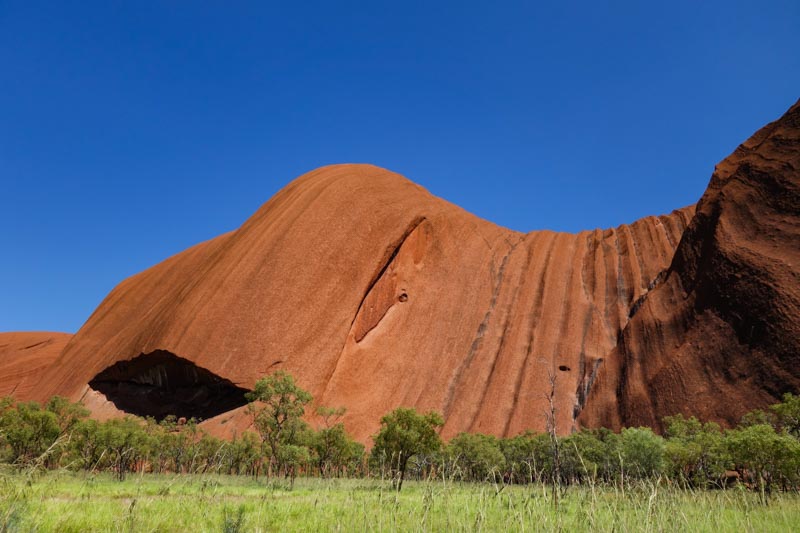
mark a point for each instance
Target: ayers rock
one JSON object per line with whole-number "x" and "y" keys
{"x": 376, "y": 294}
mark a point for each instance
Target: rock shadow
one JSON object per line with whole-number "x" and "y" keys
{"x": 160, "y": 383}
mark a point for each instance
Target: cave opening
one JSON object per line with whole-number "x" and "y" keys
{"x": 160, "y": 383}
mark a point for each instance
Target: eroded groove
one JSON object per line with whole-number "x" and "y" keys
{"x": 476, "y": 342}
{"x": 608, "y": 287}
{"x": 622, "y": 289}
{"x": 588, "y": 264}
{"x": 591, "y": 252}
{"x": 660, "y": 245}
{"x": 566, "y": 310}
{"x": 579, "y": 401}
{"x": 643, "y": 279}
{"x": 34, "y": 345}
{"x": 533, "y": 320}
{"x": 685, "y": 219}
{"x": 506, "y": 327}
{"x": 584, "y": 388}
{"x": 386, "y": 261}
{"x": 664, "y": 227}
{"x": 393, "y": 251}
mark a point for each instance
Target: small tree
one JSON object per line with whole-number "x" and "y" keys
{"x": 292, "y": 456}
{"x": 642, "y": 452}
{"x": 85, "y": 444}
{"x": 405, "y": 433}
{"x": 277, "y": 407}
{"x": 125, "y": 441}
{"x": 243, "y": 456}
{"x": 590, "y": 454}
{"x": 528, "y": 456}
{"x": 788, "y": 414}
{"x": 28, "y": 430}
{"x": 477, "y": 456}
{"x": 695, "y": 452}
{"x": 67, "y": 413}
{"x": 762, "y": 455}
{"x": 333, "y": 446}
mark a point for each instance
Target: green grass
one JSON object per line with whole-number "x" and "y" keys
{"x": 64, "y": 502}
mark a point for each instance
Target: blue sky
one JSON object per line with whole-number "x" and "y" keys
{"x": 132, "y": 130}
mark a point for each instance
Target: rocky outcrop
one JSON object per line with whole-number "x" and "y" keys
{"x": 376, "y": 294}
{"x": 720, "y": 332}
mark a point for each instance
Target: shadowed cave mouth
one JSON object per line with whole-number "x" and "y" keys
{"x": 160, "y": 383}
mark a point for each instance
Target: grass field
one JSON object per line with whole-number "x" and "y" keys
{"x": 66, "y": 502}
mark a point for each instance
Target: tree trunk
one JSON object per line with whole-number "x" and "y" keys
{"x": 402, "y": 474}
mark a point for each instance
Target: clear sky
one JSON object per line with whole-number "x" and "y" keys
{"x": 132, "y": 130}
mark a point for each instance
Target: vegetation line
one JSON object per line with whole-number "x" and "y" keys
{"x": 762, "y": 454}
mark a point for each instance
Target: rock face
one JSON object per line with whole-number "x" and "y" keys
{"x": 376, "y": 294}
{"x": 23, "y": 357}
{"x": 720, "y": 332}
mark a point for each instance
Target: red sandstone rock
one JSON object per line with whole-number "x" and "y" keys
{"x": 376, "y": 294}
{"x": 23, "y": 357}
{"x": 720, "y": 333}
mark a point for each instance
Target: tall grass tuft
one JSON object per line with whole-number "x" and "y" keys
{"x": 233, "y": 520}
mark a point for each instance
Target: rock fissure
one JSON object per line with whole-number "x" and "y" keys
{"x": 395, "y": 249}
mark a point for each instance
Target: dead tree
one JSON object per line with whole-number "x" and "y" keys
{"x": 555, "y": 445}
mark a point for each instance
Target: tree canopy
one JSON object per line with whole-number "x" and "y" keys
{"x": 405, "y": 433}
